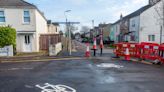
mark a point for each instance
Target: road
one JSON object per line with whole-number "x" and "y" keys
{"x": 84, "y": 75}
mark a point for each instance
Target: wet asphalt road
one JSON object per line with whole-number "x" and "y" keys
{"x": 83, "y": 75}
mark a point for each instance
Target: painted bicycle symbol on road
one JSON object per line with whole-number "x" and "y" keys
{"x": 55, "y": 88}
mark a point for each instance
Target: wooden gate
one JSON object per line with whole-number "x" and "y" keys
{"x": 48, "y": 39}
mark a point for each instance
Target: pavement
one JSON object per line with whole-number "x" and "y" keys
{"x": 96, "y": 74}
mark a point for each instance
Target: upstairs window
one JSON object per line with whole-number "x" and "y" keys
{"x": 2, "y": 17}
{"x": 133, "y": 23}
{"x": 26, "y": 17}
{"x": 151, "y": 37}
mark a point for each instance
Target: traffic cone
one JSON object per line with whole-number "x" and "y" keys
{"x": 87, "y": 53}
{"x": 101, "y": 43}
{"x": 95, "y": 44}
{"x": 127, "y": 55}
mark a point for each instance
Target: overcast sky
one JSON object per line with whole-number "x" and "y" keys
{"x": 84, "y": 11}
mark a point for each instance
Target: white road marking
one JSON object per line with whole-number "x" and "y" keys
{"x": 55, "y": 88}
{"x": 108, "y": 65}
{"x": 28, "y": 86}
{"x": 14, "y": 69}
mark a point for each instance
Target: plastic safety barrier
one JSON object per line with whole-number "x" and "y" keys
{"x": 161, "y": 53}
{"x": 144, "y": 50}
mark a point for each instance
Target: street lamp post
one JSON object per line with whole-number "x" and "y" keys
{"x": 69, "y": 33}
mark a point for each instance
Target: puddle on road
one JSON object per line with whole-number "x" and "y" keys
{"x": 106, "y": 79}
{"x": 108, "y": 65}
{"x": 100, "y": 77}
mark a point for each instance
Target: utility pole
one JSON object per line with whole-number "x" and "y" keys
{"x": 70, "y": 40}
{"x": 69, "y": 33}
{"x": 92, "y": 23}
{"x": 93, "y": 28}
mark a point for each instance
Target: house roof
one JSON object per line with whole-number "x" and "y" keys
{"x": 16, "y": 4}
{"x": 136, "y": 13}
{"x": 56, "y": 24}
{"x": 103, "y": 25}
{"x": 19, "y": 4}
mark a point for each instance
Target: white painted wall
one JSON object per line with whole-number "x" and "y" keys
{"x": 150, "y": 24}
{"x": 55, "y": 49}
{"x": 41, "y": 27}
{"x": 117, "y": 32}
{"x": 14, "y": 17}
{"x": 38, "y": 24}
{"x": 53, "y": 29}
{"x": 6, "y": 51}
{"x": 134, "y": 27}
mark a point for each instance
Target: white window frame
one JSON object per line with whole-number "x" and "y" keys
{"x": 25, "y": 16}
{"x": 3, "y": 16}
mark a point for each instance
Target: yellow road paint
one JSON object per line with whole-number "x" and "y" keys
{"x": 43, "y": 60}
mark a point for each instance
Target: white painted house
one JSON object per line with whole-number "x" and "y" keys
{"x": 28, "y": 21}
{"x": 135, "y": 24}
{"x": 53, "y": 28}
{"x": 151, "y": 24}
{"x": 145, "y": 25}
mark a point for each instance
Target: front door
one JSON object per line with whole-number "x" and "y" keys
{"x": 27, "y": 43}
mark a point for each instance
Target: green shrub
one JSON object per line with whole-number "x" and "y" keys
{"x": 7, "y": 36}
{"x": 112, "y": 46}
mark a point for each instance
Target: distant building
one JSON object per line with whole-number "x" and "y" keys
{"x": 105, "y": 28}
{"x": 53, "y": 28}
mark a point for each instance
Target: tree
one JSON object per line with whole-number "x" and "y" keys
{"x": 7, "y": 36}
{"x": 72, "y": 29}
{"x": 84, "y": 29}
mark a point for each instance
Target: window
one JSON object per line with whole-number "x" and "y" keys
{"x": 2, "y": 16}
{"x": 27, "y": 39}
{"x": 26, "y": 17}
{"x": 133, "y": 23}
{"x": 56, "y": 29}
{"x": 151, "y": 37}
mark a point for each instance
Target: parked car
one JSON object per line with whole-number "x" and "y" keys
{"x": 84, "y": 40}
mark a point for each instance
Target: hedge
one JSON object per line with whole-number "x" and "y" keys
{"x": 7, "y": 36}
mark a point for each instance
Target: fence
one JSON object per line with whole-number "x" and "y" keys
{"x": 150, "y": 51}
{"x": 46, "y": 40}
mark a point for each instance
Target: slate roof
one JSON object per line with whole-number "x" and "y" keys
{"x": 136, "y": 13}
{"x": 16, "y": 4}
{"x": 19, "y": 4}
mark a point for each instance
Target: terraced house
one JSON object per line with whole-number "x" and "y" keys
{"x": 28, "y": 21}
{"x": 143, "y": 25}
